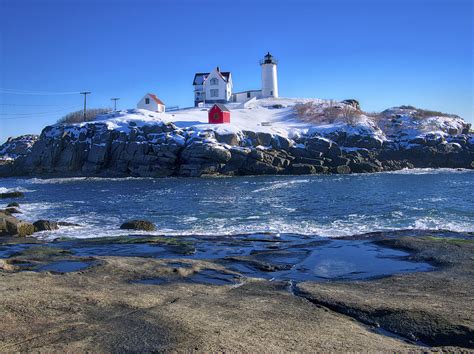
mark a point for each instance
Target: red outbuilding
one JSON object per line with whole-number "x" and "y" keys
{"x": 219, "y": 114}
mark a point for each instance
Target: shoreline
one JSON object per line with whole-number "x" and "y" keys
{"x": 104, "y": 176}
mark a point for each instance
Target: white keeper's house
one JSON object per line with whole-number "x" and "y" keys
{"x": 213, "y": 87}
{"x": 152, "y": 103}
{"x": 216, "y": 86}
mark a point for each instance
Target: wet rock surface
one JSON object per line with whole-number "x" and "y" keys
{"x": 427, "y": 307}
{"x": 143, "y": 225}
{"x": 12, "y": 226}
{"x": 14, "y": 194}
{"x": 45, "y": 225}
{"x": 200, "y": 301}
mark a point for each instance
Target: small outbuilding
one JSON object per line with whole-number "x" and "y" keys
{"x": 219, "y": 114}
{"x": 152, "y": 103}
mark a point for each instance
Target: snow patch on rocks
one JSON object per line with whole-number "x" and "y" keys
{"x": 15, "y": 147}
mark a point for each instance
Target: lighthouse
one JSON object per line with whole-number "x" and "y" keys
{"x": 269, "y": 76}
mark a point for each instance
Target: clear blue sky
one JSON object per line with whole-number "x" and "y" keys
{"x": 383, "y": 53}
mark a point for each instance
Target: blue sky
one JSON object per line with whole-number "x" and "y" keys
{"x": 383, "y": 53}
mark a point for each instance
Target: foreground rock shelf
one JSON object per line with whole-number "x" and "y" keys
{"x": 93, "y": 307}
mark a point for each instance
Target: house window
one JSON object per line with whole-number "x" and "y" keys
{"x": 147, "y": 100}
{"x": 214, "y": 81}
{"x": 214, "y": 93}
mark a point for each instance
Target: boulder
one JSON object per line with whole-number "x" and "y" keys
{"x": 391, "y": 165}
{"x": 321, "y": 169}
{"x": 228, "y": 138}
{"x": 280, "y": 142}
{"x": 3, "y": 222}
{"x": 45, "y": 225}
{"x": 418, "y": 140}
{"x": 9, "y": 168}
{"x": 264, "y": 139}
{"x": 11, "y": 226}
{"x": 18, "y": 146}
{"x": 14, "y": 194}
{"x": 12, "y": 210}
{"x": 467, "y": 128}
{"x": 23, "y": 229}
{"x": 318, "y": 144}
{"x": 258, "y": 138}
{"x": 310, "y": 161}
{"x": 143, "y": 225}
{"x": 238, "y": 156}
{"x": 364, "y": 167}
{"x": 363, "y": 141}
{"x": 65, "y": 223}
{"x": 352, "y": 102}
{"x": 433, "y": 140}
{"x": 300, "y": 151}
{"x": 199, "y": 168}
{"x": 302, "y": 169}
{"x": 256, "y": 167}
{"x": 306, "y": 169}
{"x": 341, "y": 170}
{"x": 13, "y": 205}
{"x": 337, "y": 161}
{"x": 213, "y": 152}
{"x": 334, "y": 151}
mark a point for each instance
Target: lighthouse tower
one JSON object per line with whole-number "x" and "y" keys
{"x": 269, "y": 76}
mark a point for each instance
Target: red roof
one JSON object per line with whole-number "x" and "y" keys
{"x": 221, "y": 107}
{"x": 156, "y": 99}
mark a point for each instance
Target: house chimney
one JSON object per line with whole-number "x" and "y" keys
{"x": 218, "y": 69}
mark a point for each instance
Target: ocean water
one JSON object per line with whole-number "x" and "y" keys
{"x": 325, "y": 206}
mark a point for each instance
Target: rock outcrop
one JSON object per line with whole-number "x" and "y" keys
{"x": 19, "y": 146}
{"x": 45, "y": 225}
{"x": 143, "y": 225}
{"x": 11, "y": 226}
{"x": 9, "y": 195}
{"x": 158, "y": 149}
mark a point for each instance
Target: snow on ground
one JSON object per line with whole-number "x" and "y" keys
{"x": 257, "y": 115}
{"x": 404, "y": 124}
{"x": 121, "y": 120}
{"x": 18, "y": 146}
{"x": 365, "y": 126}
{"x": 278, "y": 116}
{"x": 271, "y": 115}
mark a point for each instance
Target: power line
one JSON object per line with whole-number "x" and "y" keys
{"x": 8, "y": 91}
{"x": 29, "y": 105}
{"x": 26, "y": 115}
{"x": 33, "y": 113}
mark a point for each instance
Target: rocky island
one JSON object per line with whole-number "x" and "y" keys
{"x": 265, "y": 137}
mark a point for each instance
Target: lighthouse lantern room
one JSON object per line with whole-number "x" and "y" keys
{"x": 269, "y": 76}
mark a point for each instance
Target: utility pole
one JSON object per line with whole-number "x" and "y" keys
{"x": 115, "y": 99}
{"x": 85, "y": 93}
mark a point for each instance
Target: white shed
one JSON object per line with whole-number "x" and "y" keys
{"x": 152, "y": 103}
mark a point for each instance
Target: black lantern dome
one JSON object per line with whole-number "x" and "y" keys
{"x": 268, "y": 59}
